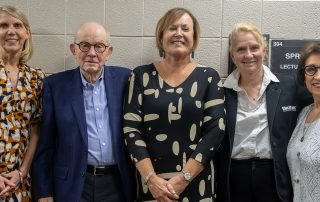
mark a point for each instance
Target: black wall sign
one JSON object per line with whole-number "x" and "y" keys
{"x": 285, "y": 54}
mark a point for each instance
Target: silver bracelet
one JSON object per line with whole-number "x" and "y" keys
{"x": 150, "y": 174}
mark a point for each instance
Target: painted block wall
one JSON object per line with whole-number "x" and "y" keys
{"x": 132, "y": 24}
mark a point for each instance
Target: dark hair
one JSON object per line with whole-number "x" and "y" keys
{"x": 310, "y": 49}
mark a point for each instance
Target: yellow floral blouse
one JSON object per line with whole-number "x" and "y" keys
{"x": 20, "y": 108}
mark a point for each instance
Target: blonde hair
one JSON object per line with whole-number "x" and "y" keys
{"x": 168, "y": 18}
{"x": 246, "y": 27}
{"x": 27, "y": 49}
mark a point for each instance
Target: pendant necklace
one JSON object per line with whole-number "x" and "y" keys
{"x": 253, "y": 98}
{"x": 306, "y": 125}
{"x": 305, "y": 130}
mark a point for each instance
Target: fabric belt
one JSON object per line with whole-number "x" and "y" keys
{"x": 102, "y": 170}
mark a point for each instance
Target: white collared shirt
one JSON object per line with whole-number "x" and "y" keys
{"x": 252, "y": 136}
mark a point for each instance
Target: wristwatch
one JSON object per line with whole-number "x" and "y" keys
{"x": 187, "y": 176}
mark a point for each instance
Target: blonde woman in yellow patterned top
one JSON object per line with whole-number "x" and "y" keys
{"x": 174, "y": 117}
{"x": 20, "y": 105}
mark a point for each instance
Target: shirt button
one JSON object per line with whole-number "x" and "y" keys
{"x": 97, "y": 109}
{"x": 100, "y": 126}
{"x": 95, "y": 92}
{"x": 297, "y": 180}
{"x": 103, "y": 144}
{"x": 298, "y": 154}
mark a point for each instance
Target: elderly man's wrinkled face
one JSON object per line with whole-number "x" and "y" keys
{"x": 91, "y": 36}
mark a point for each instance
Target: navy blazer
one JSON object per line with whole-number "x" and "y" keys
{"x": 60, "y": 162}
{"x": 285, "y": 99}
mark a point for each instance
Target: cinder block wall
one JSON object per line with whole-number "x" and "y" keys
{"x": 132, "y": 24}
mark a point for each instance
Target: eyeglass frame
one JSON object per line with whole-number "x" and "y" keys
{"x": 94, "y": 46}
{"x": 316, "y": 67}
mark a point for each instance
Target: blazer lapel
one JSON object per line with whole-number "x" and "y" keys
{"x": 231, "y": 105}
{"x": 272, "y": 97}
{"x": 77, "y": 104}
{"x": 111, "y": 91}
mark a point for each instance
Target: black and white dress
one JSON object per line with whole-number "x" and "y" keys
{"x": 169, "y": 125}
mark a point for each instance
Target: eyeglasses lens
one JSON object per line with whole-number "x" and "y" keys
{"x": 311, "y": 70}
{"x": 85, "y": 47}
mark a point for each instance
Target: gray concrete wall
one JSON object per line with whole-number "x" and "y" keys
{"x": 132, "y": 24}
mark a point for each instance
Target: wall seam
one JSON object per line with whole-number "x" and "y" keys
{"x": 65, "y": 34}
{"x": 221, "y": 34}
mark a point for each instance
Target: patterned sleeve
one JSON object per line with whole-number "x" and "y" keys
{"x": 133, "y": 119}
{"x": 38, "y": 76}
{"x": 213, "y": 126}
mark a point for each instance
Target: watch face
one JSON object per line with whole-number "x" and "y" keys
{"x": 186, "y": 176}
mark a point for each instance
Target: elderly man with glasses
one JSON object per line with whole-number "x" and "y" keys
{"x": 81, "y": 155}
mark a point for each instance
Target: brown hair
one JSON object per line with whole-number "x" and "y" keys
{"x": 27, "y": 49}
{"x": 310, "y": 49}
{"x": 168, "y": 18}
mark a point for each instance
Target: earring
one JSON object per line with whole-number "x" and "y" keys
{"x": 192, "y": 55}
{"x": 161, "y": 53}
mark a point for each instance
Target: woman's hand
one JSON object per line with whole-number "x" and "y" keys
{"x": 2, "y": 184}
{"x": 178, "y": 183}
{"x": 8, "y": 181}
{"x": 161, "y": 190}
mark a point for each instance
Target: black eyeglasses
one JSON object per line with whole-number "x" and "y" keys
{"x": 311, "y": 69}
{"x": 85, "y": 47}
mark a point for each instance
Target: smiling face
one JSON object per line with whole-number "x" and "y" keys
{"x": 91, "y": 62}
{"x": 13, "y": 34}
{"x": 313, "y": 82}
{"x": 247, "y": 53}
{"x": 178, "y": 38}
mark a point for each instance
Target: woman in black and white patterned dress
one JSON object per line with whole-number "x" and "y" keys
{"x": 174, "y": 117}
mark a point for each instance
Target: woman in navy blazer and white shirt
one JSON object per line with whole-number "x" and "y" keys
{"x": 261, "y": 114}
